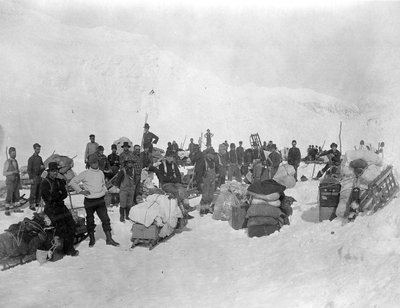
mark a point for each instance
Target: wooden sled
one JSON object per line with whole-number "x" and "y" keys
{"x": 149, "y": 236}
{"x": 380, "y": 192}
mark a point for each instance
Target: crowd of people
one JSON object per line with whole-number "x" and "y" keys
{"x": 211, "y": 170}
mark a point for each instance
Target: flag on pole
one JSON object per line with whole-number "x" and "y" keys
{"x": 152, "y": 92}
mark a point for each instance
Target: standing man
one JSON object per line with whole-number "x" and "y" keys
{"x": 149, "y": 138}
{"x": 91, "y": 148}
{"x": 53, "y": 193}
{"x": 35, "y": 169}
{"x": 113, "y": 160}
{"x": 191, "y": 147}
{"x": 11, "y": 172}
{"x": 273, "y": 161}
{"x": 208, "y": 136}
{"x": 104, "y": 164}
{"x": 146, "y": 158}
{"x": 294, "y": 157}
{"x": 233, "y": 169}
{"x": 137, "y": 166}
{"x": 223, "y": 159}
{"x": 94, "y": 190}
{"x": 240, "y": 157}
{"x": 126, "y": 154}
{"x": 125, "y": 181}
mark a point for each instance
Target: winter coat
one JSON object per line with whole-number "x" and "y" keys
{"x": 35, "y": 166}
{"x": 125, "y": 180}
{"x": 167, "y": 173}
{"x": 148, "y": 140}
{"x": 240, "y": 154}
{"x": 294, "y": 156}
{"x": 335, "y": 157}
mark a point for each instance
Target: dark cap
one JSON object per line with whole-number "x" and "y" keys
{"x": 146, "y": 125}
{"x": 11, "y": 149}
{"x": 100, "y": 148}
{"x": 333, "y": 145}
{"x": 294, "y": 141}
{"x": 113, "y": 146}
{"x": 91, "y": 135}
{"x": 37, "y": 145}
{"x": 53, "y": 166}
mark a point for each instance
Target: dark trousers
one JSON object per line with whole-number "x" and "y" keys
{"x": 64, "y": 223}
{"x": 222, "y": 175}
{"x": 138, "y": 191}
{"x": 295, "y": 166}
{"x": 12, "y": 191}
{"x": 96, "y": 206}
{"x": 34, "y": 197}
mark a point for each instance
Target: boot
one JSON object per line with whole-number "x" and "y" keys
{"x": 127, "y": 210}
{"x": 121, "y": 214}
{"x": 92, "y": 240}
{"x": 109, "y": 239}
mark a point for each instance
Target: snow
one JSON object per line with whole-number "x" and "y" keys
{"x": 61, "y": 82}
{"x": 306, "y": 264}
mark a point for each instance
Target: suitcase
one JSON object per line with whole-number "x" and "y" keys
{"x": 238, "y": 220}
{"x": 329, "y": 196}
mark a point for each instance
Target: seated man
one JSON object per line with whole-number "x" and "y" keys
{"x": 334, "y": 161}
{"x": 53, "y": 194}
{"x": 170, "y": 181}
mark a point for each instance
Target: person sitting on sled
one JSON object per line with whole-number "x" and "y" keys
{"x": 170, "y": 181}
{"x": 334, "y": 161}
{"x": 53, "y": 193}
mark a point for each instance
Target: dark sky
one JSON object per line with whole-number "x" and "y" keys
{"x": 347, "y": 51}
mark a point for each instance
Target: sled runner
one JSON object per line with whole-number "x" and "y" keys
{"x": 17, "y": 250}
{"x": 149, "y": 236}
{"x": 22, "y": 202}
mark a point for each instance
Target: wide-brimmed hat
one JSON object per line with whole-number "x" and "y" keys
{"x": 53, "y": 166}
{"x": 126, "y": 144}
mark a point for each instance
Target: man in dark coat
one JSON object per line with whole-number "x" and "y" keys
{"x": 273, "y": 161}
{"x": 35, "y": 169}
{"x": 294, "y": 157}
{"x": 113, "y": 160}
{"x": 137, "y": 166}
{"x": 233, "y": 169}
{"x": 53, "y": 193}
{"x": 148, "y": 138}
{"x": 240, "y": 156}
{"x": 334, "y": 161}
{"x": 170, "y": 181}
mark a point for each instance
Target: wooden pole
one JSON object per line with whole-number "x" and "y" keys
{"x": 340, "y": 137}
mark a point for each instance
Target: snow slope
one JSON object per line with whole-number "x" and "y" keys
{"x": 60, "y": 83}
